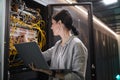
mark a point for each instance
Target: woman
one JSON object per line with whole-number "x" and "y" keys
{"x": 69, "y": 53}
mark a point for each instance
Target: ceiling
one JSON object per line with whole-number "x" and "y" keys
{"x": 109, "y": 14}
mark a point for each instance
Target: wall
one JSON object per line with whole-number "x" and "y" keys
{"x": 119, "y": 50}
{"x": 2, "y": 27}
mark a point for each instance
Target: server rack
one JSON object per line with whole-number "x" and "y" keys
{"x": 47, "y": 11}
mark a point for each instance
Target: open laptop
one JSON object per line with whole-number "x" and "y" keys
{"x": 31, "y": 53}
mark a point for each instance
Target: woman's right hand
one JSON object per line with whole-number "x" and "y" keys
{"x": 49, "y": 72}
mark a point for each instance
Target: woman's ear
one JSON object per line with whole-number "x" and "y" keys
{"x": 60, "y": 24}
{"x": 59, "y": 21}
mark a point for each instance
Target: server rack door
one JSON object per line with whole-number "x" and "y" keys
{"x": 82, "y": 20}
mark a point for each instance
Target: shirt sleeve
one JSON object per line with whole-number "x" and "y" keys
{"x": 79, "y": 63}
{"x": 48, "y": 53}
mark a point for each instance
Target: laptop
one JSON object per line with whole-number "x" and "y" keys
{"x": 31, "y": 53}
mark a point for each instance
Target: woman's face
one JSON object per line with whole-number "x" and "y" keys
{"x": 55, "y": 27}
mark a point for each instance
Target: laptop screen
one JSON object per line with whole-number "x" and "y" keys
{"x": 31, "y": 53}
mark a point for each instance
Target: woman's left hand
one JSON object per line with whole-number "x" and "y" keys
{"x": 33, "y": 67}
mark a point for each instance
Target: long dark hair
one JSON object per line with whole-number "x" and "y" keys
{"x": 66, "y": 19}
